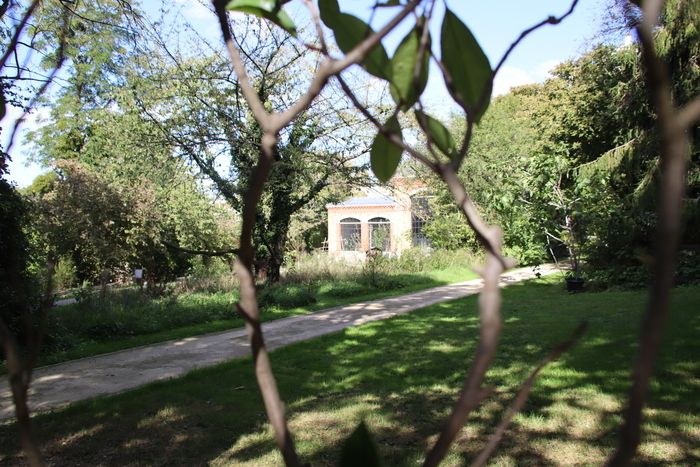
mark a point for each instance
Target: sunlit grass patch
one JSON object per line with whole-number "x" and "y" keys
{"x": 401, "y": 376}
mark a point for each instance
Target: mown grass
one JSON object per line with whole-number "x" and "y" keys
{"x": 129, "y": 319}
{"x": 401, "y": 376}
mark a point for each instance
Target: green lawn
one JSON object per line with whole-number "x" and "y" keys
{"x": 78, "y": 331}
{"x": 400, "y": 376}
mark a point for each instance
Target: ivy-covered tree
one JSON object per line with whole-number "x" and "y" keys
{"x": 198, "y": 106}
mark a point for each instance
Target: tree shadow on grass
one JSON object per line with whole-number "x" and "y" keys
{"x": 401, "y": 376}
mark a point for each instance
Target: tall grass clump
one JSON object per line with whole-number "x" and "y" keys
{"x": 417, "y": 260}
{"x": 130, "y": 312}
{"x": 320, "y": 266}
{"x": 208, "y": 275}
{"x": 342, "y": 278}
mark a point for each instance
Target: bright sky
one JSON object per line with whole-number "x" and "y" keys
{"x": 496, "y": 24}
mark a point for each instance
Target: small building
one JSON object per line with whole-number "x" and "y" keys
{"x": 390, "y": 221}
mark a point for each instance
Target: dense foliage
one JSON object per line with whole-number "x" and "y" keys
{"x": 573, "y": 162}
{"x": 15, "y": 280}
{"x": 135, "y": 124}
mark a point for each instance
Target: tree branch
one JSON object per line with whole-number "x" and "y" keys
{"x": 472, "y": 393}
{"x": 689, "y": 114}
{"x": 382, "y": 129}
{"x": 522, "y": 395}
{"x": 19, "y": 369}
{"x": 674, "y": 155}
{"x": 549, "y": 20}
{"x": 18, "y": 32}
{"x": 249, "y": 93}
{"x": 248, "y": 305}
{"x": 457, "y": 162}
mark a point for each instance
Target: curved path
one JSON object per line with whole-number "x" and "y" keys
{"x": 58, "y": 385}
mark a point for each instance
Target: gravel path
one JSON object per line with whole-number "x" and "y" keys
{"x": 58, "y": 385}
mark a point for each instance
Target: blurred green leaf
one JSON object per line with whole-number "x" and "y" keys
{"x": 268, "y": 9}
{"x": 437, "y": 133}
{"x": 389, "y": 3}
{"x": 403, "y": 65}
{"x": 467, "y": 65}
{"x": 360, "y": 450}
{"x": 385, "y": 155}
{"x": 349, "y": 31}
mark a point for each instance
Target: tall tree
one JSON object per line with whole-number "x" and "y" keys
{"x": 196, "y": 101}
{"x": 101, "y": 36}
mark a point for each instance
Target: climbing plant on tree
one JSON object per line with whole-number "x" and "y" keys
{"x": 200, "y": 110}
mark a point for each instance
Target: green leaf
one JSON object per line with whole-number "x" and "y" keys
{"x": 384, "y": 155}
{"x": 437, "y": 133}
{"x": 359, "y": 450}
{"x": 349, "y": 31}
{"x": 403, "y": 65}
{"x": 269, "y": 9}
{"x": 468, "y": 66}
{"x": 329, "y": 10}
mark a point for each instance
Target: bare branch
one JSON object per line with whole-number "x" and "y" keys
{"x": 333, "y": 67}
{"x": 522, "y": 395}
{"x": 248, "y": 305}
{"x": 466, "y": 205}
{"x": 18, "y": 32}
{"x": 382, "y": 129}
{"x": 60, "y": 58}
{"x": 689, "y": 114}
{"x": 457, "y": 162}
{"x": 40, "y": 92}
{"x": 472, "y": 393}
{"x": 19, "y": 377}
{"x": 489, "y": 300}
{"x": 273, "y": 123}
{"x": 549, "y": 20}
{"x": 464, "y": 149}
{"x": 674, "y": 155}
{"x": 249, "y": 93}
{"x": 19, "y": 369}
{"x": 316, "y": 19}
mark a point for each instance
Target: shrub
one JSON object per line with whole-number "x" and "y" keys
{"x": 286, "y": 296}
{"x": 210, "y": 276}
{"x": 65, "y": 273}
{"x": 130, "y": 312}
{"x": 688, "y": 271}
{"x": 343, "y": 289}
{"x": 422, "y": 260}
{"x": 321, "y": 266}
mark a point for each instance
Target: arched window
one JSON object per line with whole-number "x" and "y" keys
{"x": 380, "y": 233}
{"x": 350, "y": 232}
{"x": 420, "y": 212}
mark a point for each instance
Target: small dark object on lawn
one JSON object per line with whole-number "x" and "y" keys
{"x": 574, "y": 284}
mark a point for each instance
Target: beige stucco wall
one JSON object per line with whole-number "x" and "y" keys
{"x": 399, "y": 218}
